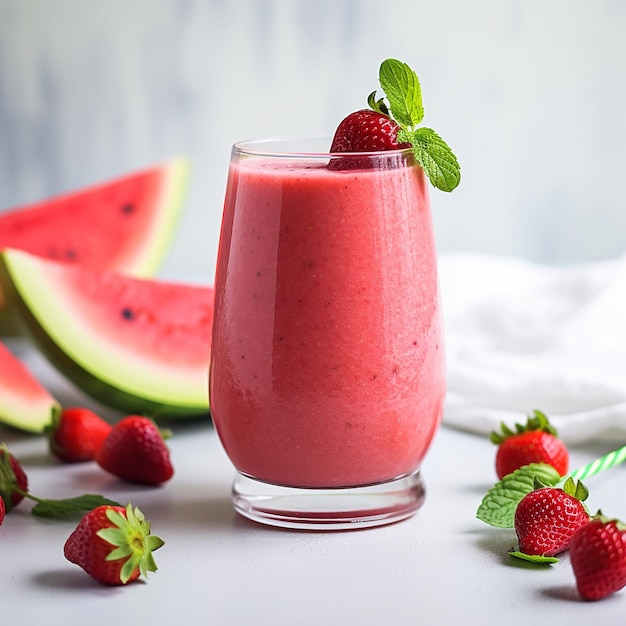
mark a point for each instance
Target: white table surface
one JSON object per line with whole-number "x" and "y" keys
{"x": 442, "y": 566}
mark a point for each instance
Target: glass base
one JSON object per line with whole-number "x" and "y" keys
{"x": 349, "y": 508}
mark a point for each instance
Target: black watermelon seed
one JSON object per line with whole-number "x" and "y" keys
{"x": 127, "y": 313}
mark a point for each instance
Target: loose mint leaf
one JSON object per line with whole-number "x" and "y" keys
{"x": 435, "y": 157}
{"x": 402, "y": 88}
{"x": 498, "y": 506}
{"x": 534, "y": 558}
{"x": 56, "y": 508}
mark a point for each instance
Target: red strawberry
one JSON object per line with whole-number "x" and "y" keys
{"x": 366, "y": 131}
{"x": 135, "y": 451}
{"x": 546, "y": 518}
{"x": 113, "y": 545}
{"x": 2, "y": 511}
{"x": 75, "y": 434}
{"x": 12, "y": 476}
{"x": 537, "y": 442}
{"x": 598, "y": 557}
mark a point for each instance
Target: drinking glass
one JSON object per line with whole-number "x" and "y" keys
{"x": 327, "y": 373}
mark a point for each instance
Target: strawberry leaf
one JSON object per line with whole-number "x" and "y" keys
{"x": 498, "y": 506}
{"x": 377, "y": 105}
{"x": 130, "y": 539}
{"x": 57, "y": 508}
{"x": 534, "y": 558}
{"x": 8, "y": 481}
{"x": 576, "y": 489}
{"x": 537, "y": 421}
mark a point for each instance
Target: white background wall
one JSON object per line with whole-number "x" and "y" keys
{"x": 531, "y": 95}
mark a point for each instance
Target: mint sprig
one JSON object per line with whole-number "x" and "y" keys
{"x": 402, "y": 88}
{"x": 44, "y": 507}
{"x": 79, "y": 504}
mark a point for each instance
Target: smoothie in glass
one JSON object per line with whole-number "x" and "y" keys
{"x": 327, "y": 365}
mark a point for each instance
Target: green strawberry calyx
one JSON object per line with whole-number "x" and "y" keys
{"x": 575, "y": 488}
{"x": 538, "y": 421}
{"x": 131, "y": 540}
{"x": 402, "y": 89}
{"x": 8, "y": 481}
{"x": 44, "y": 507}
{"x": 605, "y": 519}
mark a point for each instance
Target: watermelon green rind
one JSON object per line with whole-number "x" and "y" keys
{"x": 149, "y": 255}
{"x": 89, "y": 226}
{"x": 100, "y": 367}
{"x": 24, "y": 403}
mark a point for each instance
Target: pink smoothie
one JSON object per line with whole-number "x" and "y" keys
{"x": 327, "y": 364}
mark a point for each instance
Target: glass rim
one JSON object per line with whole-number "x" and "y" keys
{"x": 262, "y": 148}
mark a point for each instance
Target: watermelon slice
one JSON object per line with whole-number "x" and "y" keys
{"x": 137, "y": 345}
{"x": 24, "y": 402}
{"x": 122, "y": 225}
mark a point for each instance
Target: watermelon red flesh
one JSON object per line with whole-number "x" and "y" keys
{"x": 122, "y": 225}
{"x": 137, "y": 345}
{"x": 24, "y": 402}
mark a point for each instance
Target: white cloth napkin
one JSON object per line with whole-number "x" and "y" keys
{"x": 523, "y": 336}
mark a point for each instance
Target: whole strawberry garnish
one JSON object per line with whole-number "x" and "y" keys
{"x": 546, "y": 518}
{"x": 135, "y": 451}
{"x": 536, "y": 442}
{"x": 113, "y": 545}
{"x": 75, "y": 434}
{"x": 367, "y": 131}
{"x": 2, "y": 511}
{"x": 598, "y": 557}
{"x": 395, "y": 127}
{"x": 13, "y": 479}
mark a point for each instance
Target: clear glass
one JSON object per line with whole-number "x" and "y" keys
{"x": 327, "y": 375}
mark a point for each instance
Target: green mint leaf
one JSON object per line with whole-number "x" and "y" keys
{"x": 435, "y": 157}
{"x": 402, "y": 88}
{"x": 498, "y": 506}
{"x": 534, "y": 558}
{"x": 56, "y": 508}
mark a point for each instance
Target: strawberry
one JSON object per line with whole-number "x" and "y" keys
{"x": 2, "y": 511}
{"x": 537, "y": 442}
{"x": 135, "y": 451}
{"x": 364, "y": 131}
{"x": 113, "y": 545}
{"x": 367, "y": 131}
{"x": 13, "y": 479}
{"x": 546, "y": 518}
{"x": 598, "y": 557}
{"x": 75, "y": 434}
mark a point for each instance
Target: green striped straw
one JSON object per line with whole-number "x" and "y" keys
{"x": 599, "y": 465}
